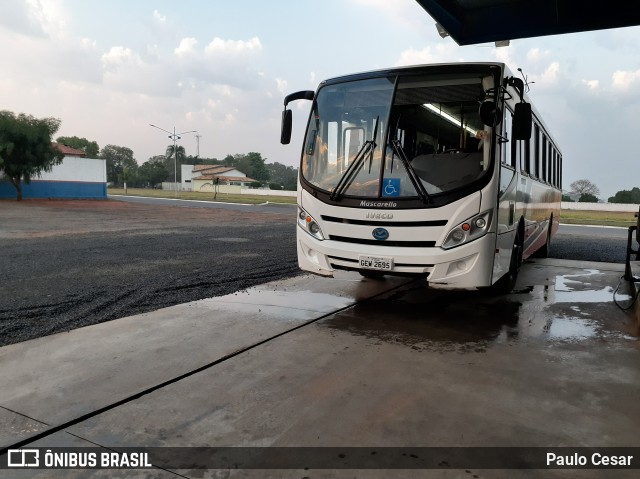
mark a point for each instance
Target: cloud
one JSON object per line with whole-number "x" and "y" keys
{"x": 535, "y": 55}
{"x": 218, "y": 46}
{"x": 158, "y": 19}
{"x": 282, "y": 86}
{"x": 406, "y": 14}
{"x": 504, "y": 55}
{"x": 156, "y": 72}
{"x": 187, "y": 46}
{"x": 19, "y": 17}
{"x": 592, "y": 85}
{"x": 120, "y": 56}
{"x": 549, "y": 77}
{"x": 126, "y": 71}
{"x": 38, "y": 18}
{"x": 440, "y": 54}
{"x": 35, "y": 61}
{"x": 50, "y": 15}
{"x": 622, "y": 81}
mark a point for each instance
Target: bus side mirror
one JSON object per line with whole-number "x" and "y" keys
{"x": 490, "y": 114}
{"x": 285, "y": 131}
{"x": 522, "y": 121}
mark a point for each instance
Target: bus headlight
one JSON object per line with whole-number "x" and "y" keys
{"x": 469, "y": 230}
{"x": 307, "y": 223}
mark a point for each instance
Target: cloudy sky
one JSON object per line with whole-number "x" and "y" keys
{"x": 109, "y": 68}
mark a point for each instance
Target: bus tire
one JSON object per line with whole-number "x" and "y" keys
{"x": 371, "y": 274}
{"x": 505, "y": 284}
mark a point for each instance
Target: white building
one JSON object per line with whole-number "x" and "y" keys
{"x": 206, "y": 177}
{"x": 75, "y": 178}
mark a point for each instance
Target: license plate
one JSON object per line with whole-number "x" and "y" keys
{"x": 383, "y": 263}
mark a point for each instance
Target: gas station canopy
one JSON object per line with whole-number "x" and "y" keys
{"x": 478, "y": 21}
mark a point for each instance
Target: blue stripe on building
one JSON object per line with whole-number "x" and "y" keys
{"x": 56, "y": 189}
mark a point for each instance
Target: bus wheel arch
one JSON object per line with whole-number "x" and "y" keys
{"x": 546, "y": 248}
{"x": 505, "y": 284}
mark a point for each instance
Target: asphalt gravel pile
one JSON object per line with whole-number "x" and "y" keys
{"x": 64, "y": 265}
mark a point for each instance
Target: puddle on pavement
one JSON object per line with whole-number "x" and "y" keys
{"x": 570, "y": 328}
{"x": 447, "y": 321}
{"x": 569, "y": 308}
{"x": 568, "y": 289}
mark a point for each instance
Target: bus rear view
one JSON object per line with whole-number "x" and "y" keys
{"x": 416, "y": 171}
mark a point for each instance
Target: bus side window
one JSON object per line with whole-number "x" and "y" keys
{"x": 559, "y": 171}
{"x": 543, "y": 172}
{"x": 549, "y": 162}
{"x": 526, "y": 165}
{"x": 536, "y": 155}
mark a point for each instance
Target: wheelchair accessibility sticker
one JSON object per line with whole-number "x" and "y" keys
{"x": 391, "y": 187}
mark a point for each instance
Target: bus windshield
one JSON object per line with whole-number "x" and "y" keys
{"x": 386, "y": 137}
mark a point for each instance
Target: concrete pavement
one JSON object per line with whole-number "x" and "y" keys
{"x": 342, "y": 362}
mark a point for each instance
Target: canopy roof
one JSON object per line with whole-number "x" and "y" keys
{"x": 478, "y": 21}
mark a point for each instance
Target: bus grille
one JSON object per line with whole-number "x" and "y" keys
{"x": 406, "y": 244}
{"x": 388, "y": 223}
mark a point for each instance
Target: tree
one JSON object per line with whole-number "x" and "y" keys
{"x": 588, "y": 198}
{"x": 567, "y": 198}
{"x": 196, "y": 160}
{"x": 285, "y": 177}
{"x": 118, "y": 158}
{"x": 25, "y": 147}
{"x": 252, "y": 164}
{"x": 151, "y": 173}
{"x": 259, "y": 170}
{"x": 626, "y": 196}
{"x": 582, "y": 187}
{"x": 91, "y": 148}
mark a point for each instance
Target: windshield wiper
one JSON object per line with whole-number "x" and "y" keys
{"x": 354, "y": 168}
{"x": 417, "y": 184}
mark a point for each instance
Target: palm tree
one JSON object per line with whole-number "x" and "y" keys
{"x": 178, "y": 149}
{"x": 178, "y": 155}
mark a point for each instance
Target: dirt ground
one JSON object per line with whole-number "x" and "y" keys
{"x": 67, "y": 264}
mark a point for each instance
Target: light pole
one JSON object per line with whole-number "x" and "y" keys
{"x": 175, "y": 137}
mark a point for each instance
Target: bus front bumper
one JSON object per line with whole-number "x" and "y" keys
{"x": 466, "y": 266}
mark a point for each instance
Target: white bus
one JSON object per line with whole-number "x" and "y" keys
{"x": 442, "y": 171}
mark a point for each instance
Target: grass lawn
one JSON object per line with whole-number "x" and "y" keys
{"x": 195, "y": 195}
{"x": 603, "y": 218}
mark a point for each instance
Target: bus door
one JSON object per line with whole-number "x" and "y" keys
{"x": 507, "y": 196}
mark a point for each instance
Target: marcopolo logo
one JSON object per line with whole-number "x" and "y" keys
{"x": 380, "y": 234}
{"x": 23, "y": 458}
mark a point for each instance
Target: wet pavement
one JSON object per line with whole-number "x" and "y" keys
{"x": 343, "y": 363}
